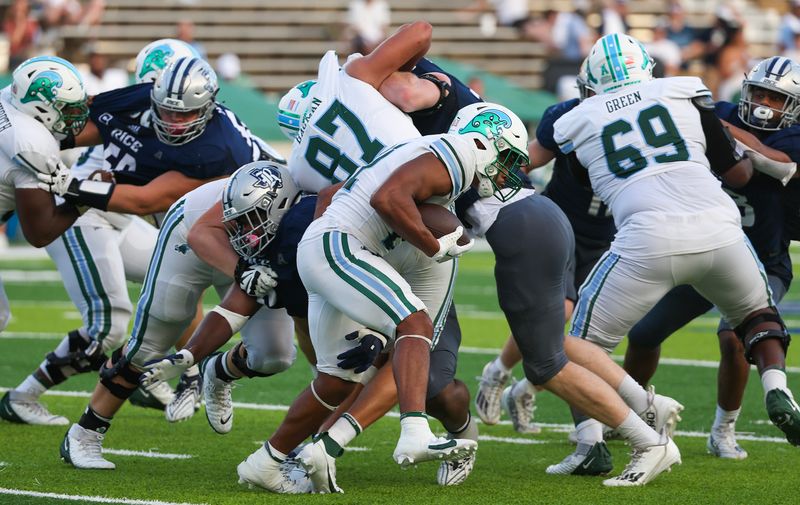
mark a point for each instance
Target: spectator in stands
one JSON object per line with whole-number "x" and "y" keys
{"x": 514, "y": 13}
{"x": 687, "y": 38}
{"x": 726, "y": 58}
{"x": 99, "y": 77}
{"x": 184, "y": 31}
{"x": 614, "y": 17}
{"x": 367, "y": 23}
{"x": 789, "y": 27}
{"x": 21, "y": 29}
{"x": 571, "y": 35}
{"x": 72, "y": 12}
{"x": 794, "y": 53}
{"x": 476, "y": 84}
{"x": 665, "y": 51}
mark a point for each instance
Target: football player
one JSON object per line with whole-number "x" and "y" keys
{"x": 161, "y": 140}
{"x": 765, "y": 121}
{"x": 45, "y": 102}
{"x": 255, "y": 199}
{"x": 644, "y": 145}
{"x": 594, "y": 229}
{"x": 94, "y": 258}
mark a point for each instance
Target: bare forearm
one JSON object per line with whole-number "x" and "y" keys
{"x": 755, "y": 144}
{"x": 214, "y": 248}
{"x": 213, "y": 332}
{"x": 404, "y": 218}
{"x": 44, "y": 231}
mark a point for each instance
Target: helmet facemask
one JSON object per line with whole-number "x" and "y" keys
{"x": 180, "y": 132}
{"x": 252, "y": 231}
{"x": 770, "y": 98}
{"x": 506, "y": 169}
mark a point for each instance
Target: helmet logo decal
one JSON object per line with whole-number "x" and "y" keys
{"x": 156, "y": 60}
{"x": 489, "y": 123}
{"x": 267, "y": 178}
{"x": 43, "y": 88}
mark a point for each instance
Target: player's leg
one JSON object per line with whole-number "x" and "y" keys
{"x": 167, "y": 303}
{"x": 267, "y": 348}
{"x": 187, "y": 395}
{"x": 745, "y": 301}
{"x": 88, "y": 258}
{"x": 5, "y": 308}
{"x": 680, "y": 306}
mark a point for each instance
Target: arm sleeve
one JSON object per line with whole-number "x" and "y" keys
{"x": 720, "y": 145}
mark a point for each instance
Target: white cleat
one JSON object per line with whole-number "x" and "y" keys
{"x": 83, "y": 449}
{"x": 27, "y": 409}
{"x": 490, "y": 388}
{"x": 646, "y": 464}
{"x": 217, "y": 395}
{"x": 412, "y": 451}
{"x": 519, "y": 402}
{"x": 722, "y": 444}
{"x": 662, "y": 412}
{"x": 187, "y": 399}
{"x": 320, "y": 467}
{"x": 456, "y": 471}
{"x": 586, "y": 460}
{"x": 260, "y": 469}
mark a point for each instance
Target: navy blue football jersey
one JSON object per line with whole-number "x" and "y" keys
{"x": 282, "y": 256}
{"x": 460, "y": 96}
{"x": 588, "y": 214}
{"x": 136, "y": 156}
{"x": 760, "y": 201}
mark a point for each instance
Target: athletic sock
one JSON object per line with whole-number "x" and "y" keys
{"x": 274, "y": 453}
{"x": 725, "y": 418}
{"x": 91, "y": 420}
{"x": 638, "y": 434}
{"x": 344, "y": 430}
{"x": 469, "y": 430}
{"x": 31, "y": 386}
{"x": 589, "y": 432}
{"x": 221, "y": 368}
{"x": 415, "y": 425}
{"x": 500, "y": 367}
{"x": 633, "y": 394}
{"x": 774, "y": 378}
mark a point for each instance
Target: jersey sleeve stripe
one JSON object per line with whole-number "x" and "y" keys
{"x": 567, "y": 146}
{"x": 447, "y": 154}
{"x": 27, "y": 163}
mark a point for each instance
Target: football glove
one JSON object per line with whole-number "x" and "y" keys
{"x": 257, "y": 281}
{"x": 58, "y": 178}
{"x": 449, "y": 248}
{"x": 169, "y": 367}
{"x": 91, "y": 193}
{"x": 359, "y": 359}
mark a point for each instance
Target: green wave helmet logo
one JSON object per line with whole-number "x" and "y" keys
{"x": 489, "y": 123}
{"x": 156, "y": 60}
{"x": 43, "y": 87}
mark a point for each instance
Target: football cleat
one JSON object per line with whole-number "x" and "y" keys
{"x": 156, "y": 397}
{"x": 83, "y": 449}
{"x": 320, "y": 467}
{"x": 594, "y": 460}
{"x": 456, "y": 471}
{"x": 217, "y": 395}
{"x": 27, "y": 409}
{"x": 490, "y": 388}
{"x": 646, "y": 464}
{"x": 519, "y": 402}
{"x": 662, "y": 412}
{"x": 410, "y": 451}
{"x": 187, "y": 399}
{"x": 722, "y": 443}
{"x": 785, "y": 414}
{"x": 261, "y": 469}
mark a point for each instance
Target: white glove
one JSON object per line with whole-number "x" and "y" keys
{"x": 258, "y": 281}
{"x": 449, "y": 248}
{"x": 58, "y": 180}
{"x": 160, "y": 370}
{"x": 783, "y": 171}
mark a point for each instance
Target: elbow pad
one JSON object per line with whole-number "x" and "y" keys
{"x": 720, "y": 145}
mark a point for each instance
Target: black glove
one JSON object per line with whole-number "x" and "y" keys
{"x": 370, "y": 345}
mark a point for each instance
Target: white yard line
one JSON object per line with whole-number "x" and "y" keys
{"x": 146, "y": 454}
{"x": 85, "y": 498}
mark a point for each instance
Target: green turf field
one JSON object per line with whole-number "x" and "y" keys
{"x": 188, "y": 463}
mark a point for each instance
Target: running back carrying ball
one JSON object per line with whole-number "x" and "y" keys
{"x": 440, "y": 221}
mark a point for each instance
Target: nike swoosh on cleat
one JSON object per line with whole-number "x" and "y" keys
{"x": 224, "y": 420}
{"x": 446, "y": 445}
{"x": 586, "y": 465}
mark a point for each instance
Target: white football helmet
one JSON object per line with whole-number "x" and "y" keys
{"x": 254, "y": 201}
{"x": 618, "y": 60}
{"x": 584, "y": 89}
{"x": 777, "y": 74}
{"x": 188, "y": 86}
{"x": 500, "y": 139}
{"x": 155, "y": 56}
{"x": 292, "y": 106}
{"x": 50, "y": 90}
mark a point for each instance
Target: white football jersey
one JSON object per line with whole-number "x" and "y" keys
{"x": 199, "y": 200}
{"x": 644, "y": 149}
{"x": 350, "y": 210}
{"x": 347, "y": 124}
{"x": 25, "y": 144}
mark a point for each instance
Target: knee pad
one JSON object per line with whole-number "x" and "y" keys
{"x": 82, "y": 355}
{"x": 120, "y": 367}
{"x": 749, "y": 336}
